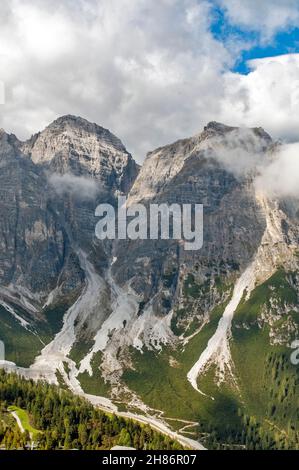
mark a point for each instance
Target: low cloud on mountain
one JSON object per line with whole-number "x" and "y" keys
{"x": 80, "y": 187}
{"x": 243, "y": 151}
{"x": 239, "y": 151}
{"x": 280, "y": 178}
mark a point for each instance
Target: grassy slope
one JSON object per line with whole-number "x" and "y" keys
{"x": 166, "y": 387}
{"x": 268, "y": 381}
{"x": 94, "y": 385}
{"x": 21, "y": 345}
{"x": 67, "y": 421}
{"x": 24, "y": 418}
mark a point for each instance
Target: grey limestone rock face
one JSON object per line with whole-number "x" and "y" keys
{"x": 73, "y": 145}
{"x": 50, "y": 187}
{"x": 192, "y": 171}
{"x": 32, "y": 240}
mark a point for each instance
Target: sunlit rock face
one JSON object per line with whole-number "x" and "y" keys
{"x": 73, "y": 145}
{"x": 207, "y": 169}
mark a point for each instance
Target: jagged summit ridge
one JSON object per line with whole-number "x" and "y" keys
{"x": 218, "y": 128}
{"x": 217, "y": 142}
{"x": 74, "y": 135}
{"x": 77, "y": 124}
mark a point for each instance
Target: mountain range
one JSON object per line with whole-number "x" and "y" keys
{"x": 200, "y": 340}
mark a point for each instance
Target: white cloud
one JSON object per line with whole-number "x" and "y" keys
{"x": 247, "y": 151}
{"x": 268, "y": 97}
{"x": 79, "y": 187}
{"x": 2, "y": 93}
{"x": 44, "y": 35}
{"x": 142, "y": 68}
{"x": 240, "y": 151}
{"x": 280, "y": 178}
{"x": 264, "y": 16}
{"x": 150, "y": 71}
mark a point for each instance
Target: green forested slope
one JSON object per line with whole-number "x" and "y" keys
{"x": 65, "y": 421}
{"x": 260, "y": 411}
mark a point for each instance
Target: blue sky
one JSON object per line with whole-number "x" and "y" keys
{"x": 283, "y": 42}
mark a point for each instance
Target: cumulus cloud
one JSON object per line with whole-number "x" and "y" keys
{"x": 264, "y": 16}
{"x": 280, "y": 178}
{"x": 2, "y": 93}
{"x": 150, "y": 71}
{"x": 141, "y": 68}
{"x": 274, "y": 165}
{"x": 268, "y": 96}
{"x": 79, "y": 187}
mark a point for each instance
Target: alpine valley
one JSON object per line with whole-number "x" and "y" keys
{"x": 195, "y": 343}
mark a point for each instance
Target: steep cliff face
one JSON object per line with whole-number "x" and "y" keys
{"x": 62, "y": 173}
{"x": 176, "y": 289}
{"x": 50, "y": 188}
{"x": 33, "y": 242}
{"x": 197, "y": 170}
{"x": 106, "y": 317}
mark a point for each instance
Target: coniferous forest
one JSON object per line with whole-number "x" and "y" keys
{"x": 57, "y": 419}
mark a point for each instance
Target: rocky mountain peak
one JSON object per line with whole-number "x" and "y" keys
{"x": 215, "y": 128}
{"x": 71, "y": 144}
{"x": 218, "y": 127}
{"x": 4, "y": 136}
{"x": 71, "y": 135}
{"x": 8, "y": 145}
{"x": 78, "y": 126}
